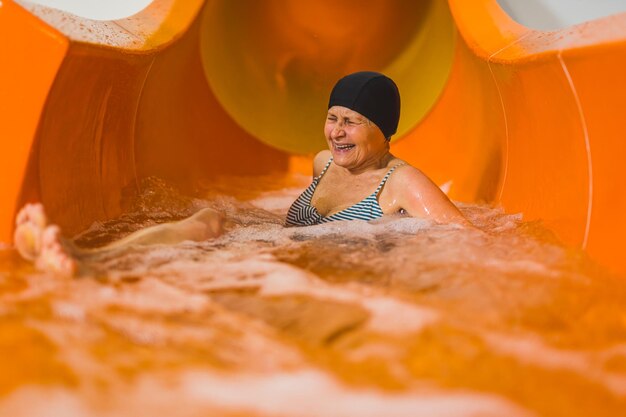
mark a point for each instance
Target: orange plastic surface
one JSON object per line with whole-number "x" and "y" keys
{"x": 533, "y": 121}
{"x": 28, "y": 68}
{"x": 530, "y": 120}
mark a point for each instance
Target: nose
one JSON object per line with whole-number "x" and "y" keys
{"x": 337, "y": 130}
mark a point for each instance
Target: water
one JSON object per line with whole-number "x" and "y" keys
{"x": 401, "y": 317}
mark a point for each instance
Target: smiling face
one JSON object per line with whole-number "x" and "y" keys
{"x": 355, "y": 142}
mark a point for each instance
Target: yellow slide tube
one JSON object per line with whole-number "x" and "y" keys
{"x": 187, "y": 89}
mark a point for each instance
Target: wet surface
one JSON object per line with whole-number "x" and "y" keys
{"x": 398, "y": 318}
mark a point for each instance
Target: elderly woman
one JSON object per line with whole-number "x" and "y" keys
{"x": 358, "y": 178}
{"x": 353, "y": 180}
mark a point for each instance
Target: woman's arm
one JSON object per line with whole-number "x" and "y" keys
{"x": 420, "y": 197}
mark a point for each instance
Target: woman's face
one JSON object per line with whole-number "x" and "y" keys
{"x": 353, "y": 141}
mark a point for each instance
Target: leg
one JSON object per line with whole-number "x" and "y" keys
{"x": 43, "y": 244}
{"x": 205, "y": 224}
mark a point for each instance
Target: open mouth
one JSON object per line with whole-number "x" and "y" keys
{"x": 343, "y": 147}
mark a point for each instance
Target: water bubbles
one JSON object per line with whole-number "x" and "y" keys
{"x": 399, "y": 304}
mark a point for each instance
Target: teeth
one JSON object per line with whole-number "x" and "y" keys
{"x": 342, "y": 147}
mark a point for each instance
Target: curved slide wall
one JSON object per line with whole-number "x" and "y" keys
{"x": 528, "y": 119}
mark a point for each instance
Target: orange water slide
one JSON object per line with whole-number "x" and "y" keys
{"x": 186, "y": 89}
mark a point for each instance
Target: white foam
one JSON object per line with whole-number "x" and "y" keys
{"x": 277, "y": 201}
{"x": 396, "y": 317}
{"x": 363, "y": 229}
{"x": 68, "y": 310}
{"x": 152, "y": 295}
{"x": 303, "y": 393}
{"x": 387, "y": 315}
{"x": 406, "y": 264}
{"x": 313, "y": 394}
{"x": 147, "y": 295}
{"x": 522, "y": 265}
{"x": 284, "y": 280}
{"x": 273, "y": 278}
{"x": 39, "y": 402}
{"x": 533, "y": 350}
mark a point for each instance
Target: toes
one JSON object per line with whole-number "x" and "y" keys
{"x": 32, "y": 213}
{"x": 27, "y": 240}
{"x": 37, "y": 215}
{"x": 50, "y": 237}
{"x": 69, "y": 267}
{"x": 58, "y": 262}
{"x": 53, "y": 256}
{"x": 22, "y": 215}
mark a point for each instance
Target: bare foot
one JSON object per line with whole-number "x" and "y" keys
{"x": 41, "y": 243}
{"x": 54, "y": 256}
{"x": 31, "y": 221}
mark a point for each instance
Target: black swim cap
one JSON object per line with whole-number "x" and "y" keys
{"x": 371, "y": 94}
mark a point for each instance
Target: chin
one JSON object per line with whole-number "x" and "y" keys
{"x": 343, "y": 158}
{"x": 341, "y": 161}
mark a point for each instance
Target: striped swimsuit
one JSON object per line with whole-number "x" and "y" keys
{"x": 302, "y": 212}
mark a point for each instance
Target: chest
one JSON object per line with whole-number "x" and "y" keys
{"x": 335, "y": 193}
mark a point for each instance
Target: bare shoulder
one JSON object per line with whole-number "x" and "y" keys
{"x": 419, "y": 196}
{"x": 320, "y": 161}
{"x": 407, "y": 177}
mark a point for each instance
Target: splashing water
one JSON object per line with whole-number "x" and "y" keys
{"x": 399, "y": 317}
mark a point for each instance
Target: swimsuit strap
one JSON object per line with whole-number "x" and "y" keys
{"x": 325, "y": 168}
{"x": 382, "y": 183}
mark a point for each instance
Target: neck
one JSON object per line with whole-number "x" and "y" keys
{"x": 378, "y": 161}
